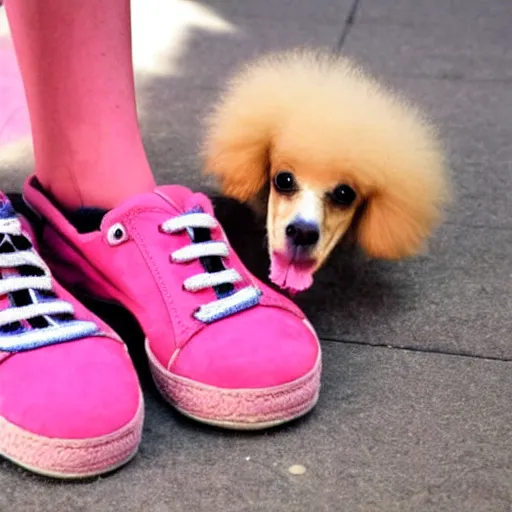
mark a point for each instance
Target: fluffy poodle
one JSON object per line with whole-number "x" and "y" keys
{"x": 326, "y": 148}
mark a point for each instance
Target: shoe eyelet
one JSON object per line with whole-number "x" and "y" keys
{"x": 117, "y": 234}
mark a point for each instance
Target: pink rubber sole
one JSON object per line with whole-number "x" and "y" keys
{"x": 240, "y": 409}
{"x": 71, "y": 458}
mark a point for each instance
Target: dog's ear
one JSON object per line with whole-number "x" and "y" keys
{"x": 237, "y": 154}
{"x": 238, "y": 143}
{"x": 397, "y": 219}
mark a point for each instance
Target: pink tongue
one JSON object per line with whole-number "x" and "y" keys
{"x": 293, "y": 276}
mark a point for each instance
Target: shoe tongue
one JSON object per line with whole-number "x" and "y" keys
{"x": 14, "y": 207}
{"x": 174, "y": 199}
{"x": 183, "y": 199}
{"x": 6, "y": 209}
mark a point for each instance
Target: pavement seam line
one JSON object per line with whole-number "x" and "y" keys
{"x": 408, "y": 348}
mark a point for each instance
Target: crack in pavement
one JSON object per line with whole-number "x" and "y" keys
{"x": 349, "y": 22}
{"x": 410, "y": 348}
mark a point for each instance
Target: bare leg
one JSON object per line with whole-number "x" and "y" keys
{"x": 75, "y": 59}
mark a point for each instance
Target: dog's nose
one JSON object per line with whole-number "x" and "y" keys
{"x": 302, "y": 233}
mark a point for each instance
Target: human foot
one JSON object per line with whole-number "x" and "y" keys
{"x": 70, "y": 402}
{"x": 223, "y": 348}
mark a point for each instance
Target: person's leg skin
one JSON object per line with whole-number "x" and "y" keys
{"x": 75, "y": 59}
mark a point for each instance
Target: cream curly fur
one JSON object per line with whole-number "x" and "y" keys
{"x": 336, "y": 124}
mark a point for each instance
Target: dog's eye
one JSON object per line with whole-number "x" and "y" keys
{"x": 343, "y": 195}
{"x": 285, "y": 182}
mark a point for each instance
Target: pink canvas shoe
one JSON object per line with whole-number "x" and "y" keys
{"x": 223, "y": 348}
{"x": 70, "y": 402}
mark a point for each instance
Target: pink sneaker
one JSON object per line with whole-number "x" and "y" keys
{"x": 70, "y": 402}
{"x": 223, "y": 348}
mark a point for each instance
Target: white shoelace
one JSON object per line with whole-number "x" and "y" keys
{"x": 224, "y": 306}
{"x": 11, "y": 282}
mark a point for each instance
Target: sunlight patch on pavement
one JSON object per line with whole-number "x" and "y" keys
{"x": 4, "y": 29}
{"x": 160, "y": 31}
